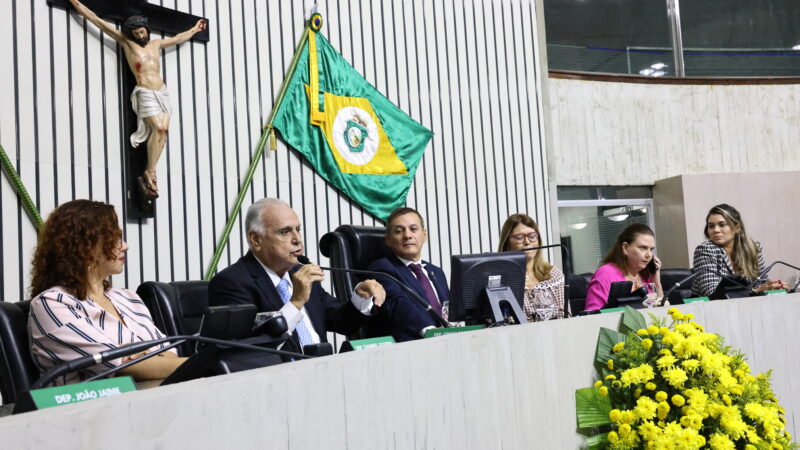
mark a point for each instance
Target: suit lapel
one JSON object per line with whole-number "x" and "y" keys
{"x": 437, "y": 279}
{"x": 270, "y": 297}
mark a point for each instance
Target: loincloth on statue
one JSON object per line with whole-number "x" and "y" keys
{"x": 146, "y": 103}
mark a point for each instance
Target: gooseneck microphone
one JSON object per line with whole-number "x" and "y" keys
{"x": 131, "y": 349}
{"x": 766, "y": 271}
{"x": 422, "y": 302}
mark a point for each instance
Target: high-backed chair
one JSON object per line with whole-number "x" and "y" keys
{"x": 177, "y": 307}
{"x": 353, "y": 247}
{"x": 671, "y": 276}
{"x": 17, "y": 371}
{"x": 577, "y": 291}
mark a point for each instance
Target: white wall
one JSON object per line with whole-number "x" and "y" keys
{"x": 470, "y": 71}
{"x": 619, "y": 133}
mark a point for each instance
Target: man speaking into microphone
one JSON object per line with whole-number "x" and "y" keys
{"x": 270, "y": 277}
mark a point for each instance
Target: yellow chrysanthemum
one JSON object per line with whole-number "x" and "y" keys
{"x": 614, "y": 415}
{"x": 611, "y": 377}
{"x": 603, "y": 391}
{"x": 624, "y": 430}
{"x": 666, "y": 361}
{"x": 637, "y": 375}
{"x": 610, "y": 364}
{"x": 641, "y": 332}
{"x": 618, "y": 347}
{"x": 690, "y": 365}
{"x": 613, "y": 437}
{"x": 719, "y": 441}
{"x": 652, "y": 329}
{"x": 645, "y": 408}
{"x": 678, "y": 400}
{"x": 598, "y": 383}
{"x": 650, "y": 386}
{"x": 661, "y": 396}
{"x": 675, "y": 377}
{"x": 647, "y": 343}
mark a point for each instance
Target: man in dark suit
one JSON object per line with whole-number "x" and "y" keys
{"x": 270, "y": 277}
{"x": 402, "y": 316}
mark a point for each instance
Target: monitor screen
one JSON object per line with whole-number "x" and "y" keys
{"x": 471, "y": 274}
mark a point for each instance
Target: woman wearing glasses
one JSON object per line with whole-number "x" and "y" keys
{"x": 542, "y": 280}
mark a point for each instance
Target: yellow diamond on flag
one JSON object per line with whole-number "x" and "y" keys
{"x": 356, "y": 138}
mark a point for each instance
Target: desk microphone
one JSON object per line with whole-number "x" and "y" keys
{"x": 131, "y": 349}
{"x": 567, "y": 268}
{"x": 766, "y": 271}
{"x": 422, "y": 302}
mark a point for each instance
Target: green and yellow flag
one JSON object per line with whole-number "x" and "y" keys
{"x": 354, "y": 137}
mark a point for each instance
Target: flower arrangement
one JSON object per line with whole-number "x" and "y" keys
{"x": 673, "y": 385}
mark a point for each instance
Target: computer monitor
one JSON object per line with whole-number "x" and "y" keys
{"x": 482, "y": 283}
{"x": 621, "y": 294}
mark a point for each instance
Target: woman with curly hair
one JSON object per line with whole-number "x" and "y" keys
{"x": 74, "y": 311}
{"x": 519, "y": 232}
{"x": 729, "y": 251}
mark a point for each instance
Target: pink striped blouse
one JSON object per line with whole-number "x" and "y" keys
{"x": 63, "y": 328}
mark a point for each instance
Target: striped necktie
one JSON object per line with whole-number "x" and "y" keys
{"x": 302, "y": 332}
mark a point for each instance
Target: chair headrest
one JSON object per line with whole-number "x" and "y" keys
{"x": 366, "y": 244}
{"x": 17, "y": 370}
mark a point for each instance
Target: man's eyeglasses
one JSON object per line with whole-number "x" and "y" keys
{"x": 533, "y": 236}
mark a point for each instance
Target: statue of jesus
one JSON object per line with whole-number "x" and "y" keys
{"x": 150, "y": 99}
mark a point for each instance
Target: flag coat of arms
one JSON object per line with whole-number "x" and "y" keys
{"x": 353, "y": 136}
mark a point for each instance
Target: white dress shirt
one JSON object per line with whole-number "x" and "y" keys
{"x": 293, "y": 315}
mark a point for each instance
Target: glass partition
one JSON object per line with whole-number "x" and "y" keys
{"x": 720, "y": 38}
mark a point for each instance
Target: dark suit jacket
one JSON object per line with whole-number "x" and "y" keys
{"x": 246, "y": 282}
{"x": 402, "y": 316}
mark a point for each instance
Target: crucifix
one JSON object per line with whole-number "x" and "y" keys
{"x": 147, "y": 121}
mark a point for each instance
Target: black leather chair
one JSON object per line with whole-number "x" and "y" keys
{"x": 17, "y": 371}
{"x": 353, "y": 247}
{"x": 577, "y": 291}
{"x": 671, "y": 276}
{"x": 176, "y": 307}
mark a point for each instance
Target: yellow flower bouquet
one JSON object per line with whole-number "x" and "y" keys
{"x": 674, "y": 386}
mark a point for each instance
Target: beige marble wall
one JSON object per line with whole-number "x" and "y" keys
{"x": 768, "y": 203}
{"x": 611, "y": 133}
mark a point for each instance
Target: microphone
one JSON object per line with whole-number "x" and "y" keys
{"x": 138, "y": 347}
{"x": 422, "y": 302}
{"x": 766, "y": 271}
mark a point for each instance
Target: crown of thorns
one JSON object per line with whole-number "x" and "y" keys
{"x": 134, "y": 22}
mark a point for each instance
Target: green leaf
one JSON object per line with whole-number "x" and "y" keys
{"x": 591, "y": 409}
{"x": 605, "y": 341}
{"x": 597, "y": 441}
{"x": 632, "y": 321}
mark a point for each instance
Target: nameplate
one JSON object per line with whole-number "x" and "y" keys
{"x": 435, "y": 332}
{"x": 363, "y": 344}
{"x": 612, "y": 310}
{"x": 776, "y": 291}
{"x": 695, "y": 299}
{"x": 81, "y": 392}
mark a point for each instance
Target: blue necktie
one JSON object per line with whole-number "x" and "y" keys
{"x": 302, "y": 331}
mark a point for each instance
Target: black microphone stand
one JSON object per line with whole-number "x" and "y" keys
{"x": 766, "y": 271}
{"x": 138, "y": 347}
{"x": 422, "y": 302}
